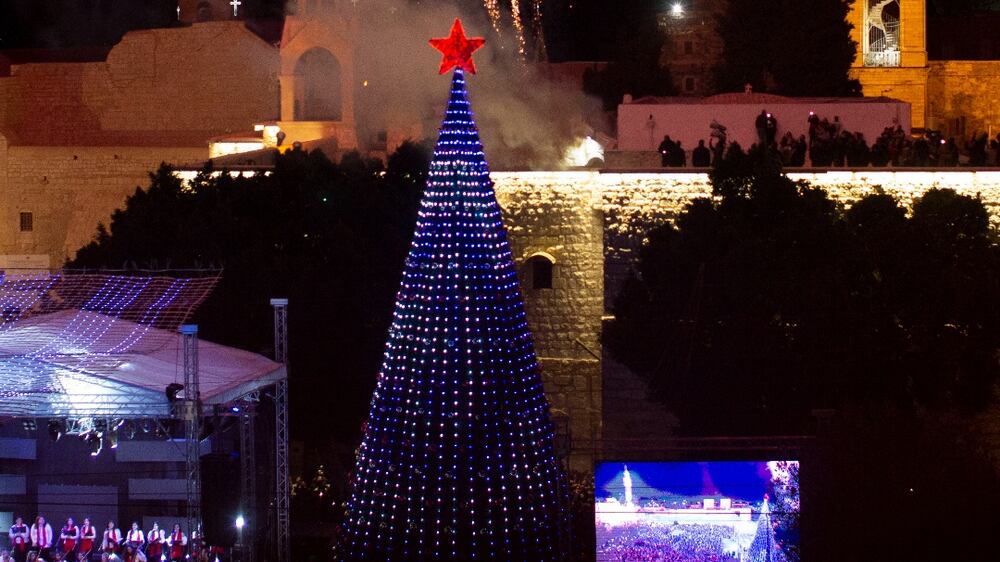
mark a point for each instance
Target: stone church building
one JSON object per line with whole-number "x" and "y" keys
{"x": 894, "y": 60}
{"x": 79, "y": 131}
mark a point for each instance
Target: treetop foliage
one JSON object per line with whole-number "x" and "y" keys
{"x": 787, "y": 47}
{"x": 773, "y": 300}
{"x": 331, "y": 237}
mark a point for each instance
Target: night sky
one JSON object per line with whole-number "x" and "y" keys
{"x": 575, "y": 29}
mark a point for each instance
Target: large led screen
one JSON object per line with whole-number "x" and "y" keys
{"x": 697, "y": 511}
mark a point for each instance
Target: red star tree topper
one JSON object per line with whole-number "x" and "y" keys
{"x": 457, "y": 49}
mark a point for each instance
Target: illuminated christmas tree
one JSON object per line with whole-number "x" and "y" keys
{"x": 457, "y": 459}
{"x": 765, "y": 547}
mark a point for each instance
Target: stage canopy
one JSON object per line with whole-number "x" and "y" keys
{"x": 107, "y": 345}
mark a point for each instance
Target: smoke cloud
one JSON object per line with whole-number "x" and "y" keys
{"x": 526, "y": 120}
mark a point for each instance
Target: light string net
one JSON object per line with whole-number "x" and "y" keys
{"x": 73, "y": 333}
{"x": 457, "y": 459}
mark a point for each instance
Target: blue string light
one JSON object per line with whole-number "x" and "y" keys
{"x": 457, "y": 459}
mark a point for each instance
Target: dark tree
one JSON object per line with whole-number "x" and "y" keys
{"x": 329, "y": 236}
{"x": 771, "y": 301}
{"x": 787, "y": 47}
{"x": 775, "y": 301}
{"x": 635, "y": 47}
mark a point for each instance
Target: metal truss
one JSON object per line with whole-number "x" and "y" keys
{"x": 282, "y": 490}
{"x": 248, "y": 477}
{"x": 191, "y": 415}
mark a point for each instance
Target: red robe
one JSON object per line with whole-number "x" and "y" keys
{"x": 112, "y": 540}
{"x": 69, "y": 536}
{"x": 154, "y": 545}
{"x": 87, "y": 536}
{"x": 177, "y": 543}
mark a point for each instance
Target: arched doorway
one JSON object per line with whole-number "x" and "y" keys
{"x": 318, "y": 87}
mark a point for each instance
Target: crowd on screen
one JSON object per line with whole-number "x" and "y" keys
{"x": 829, "y": 144}
{"x": 643, "y": 542}
{"x": 86, "y": 543}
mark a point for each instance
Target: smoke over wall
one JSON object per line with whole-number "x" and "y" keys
{"x": 526, "y": 120}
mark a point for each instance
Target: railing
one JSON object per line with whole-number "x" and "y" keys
{"x": 882, "y": 59}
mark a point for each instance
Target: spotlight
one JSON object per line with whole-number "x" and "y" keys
{"x": 29, "y": 425}
{"x": 172, "y": 390}
{"x": 147, "y": 426}
{"x": 56, "y": 429}
{"x": 112, "y": 437}
{"x": 235, "y": 409}
{"x": 129, "y": 430}
{"x": 677, "y": 9}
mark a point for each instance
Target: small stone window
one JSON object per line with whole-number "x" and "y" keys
{"x": 27, "y": 222}
{"x": 540, "y": 268}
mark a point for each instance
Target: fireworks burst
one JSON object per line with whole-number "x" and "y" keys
{"x": 517, "y": 17}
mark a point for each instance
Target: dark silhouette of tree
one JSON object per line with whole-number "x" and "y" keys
{"x": 787, "y": 47}
{"x": 636, "y": 45}
{"x": 770, "y": 301}
{"x": 331, "y": 237}
{"x": 775, "y": 301}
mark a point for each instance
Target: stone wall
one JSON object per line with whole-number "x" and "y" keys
{"x": 549, "y": 214}
{"x": 964, "y": 90}
{"x": 213, "y": 76}
{"x": 157, "y": 87}
{"x": 69, "y": 190}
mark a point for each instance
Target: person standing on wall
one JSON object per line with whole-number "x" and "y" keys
{"x": 761, "y": 125}
{"x": 772, "y": 129}
{"x": 666, "y": 149}
{"x": 701, "y": 157}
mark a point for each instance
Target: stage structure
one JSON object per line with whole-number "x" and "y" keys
{"x": 96, "y": 355}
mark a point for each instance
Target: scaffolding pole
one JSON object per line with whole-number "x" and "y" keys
{"x": 192, "y": 427}
{"x": 282, "y": 488}
{"x": 248, "y": 478}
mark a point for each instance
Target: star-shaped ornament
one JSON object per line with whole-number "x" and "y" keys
{"x": 457, "y": 49}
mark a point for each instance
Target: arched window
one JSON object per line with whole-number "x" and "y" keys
{"x": 540, "y": 269}
{"x": 317, "y": 86}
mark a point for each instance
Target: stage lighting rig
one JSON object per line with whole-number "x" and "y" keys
{"x": 172, "y": 390}
{"x": 57, "y": 428}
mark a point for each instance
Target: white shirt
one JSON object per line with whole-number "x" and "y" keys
{"x": 135, "y": 535}
{"x": 157, "y": 536}
{"x": 114, "y": 538}
{"x": 23, "y": 534}
{"x": 41, "y": 539}
{"x": 178, "y": 537}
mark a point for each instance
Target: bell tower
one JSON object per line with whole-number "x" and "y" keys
{"x": 891, "y": 58}
{"x": 317, "y": 72}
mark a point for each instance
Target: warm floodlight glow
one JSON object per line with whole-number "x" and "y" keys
{"x": 677, "y": 9}
{"x": 583, "y": 152}
{"x": 240, "y": 522}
